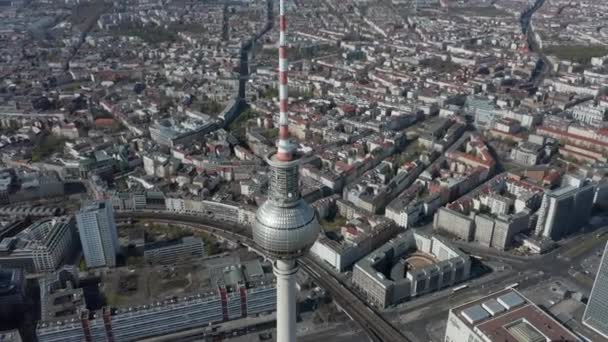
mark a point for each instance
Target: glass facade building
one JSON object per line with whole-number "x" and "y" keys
{"x": 596, "y": 314}
{"x": 97, "y": 229}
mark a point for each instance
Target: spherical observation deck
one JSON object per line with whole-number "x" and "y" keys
{"x": 286, "y": 232}
{"x": 286, "y": 226}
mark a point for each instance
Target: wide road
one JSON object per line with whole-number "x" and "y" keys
{"x": 560, "y": 263}
{"x": 372, "y": 322}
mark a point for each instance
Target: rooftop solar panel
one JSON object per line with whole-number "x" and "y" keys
{"x": 511, "y": 300}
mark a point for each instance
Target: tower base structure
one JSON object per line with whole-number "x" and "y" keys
{"x": 285, "y": 271}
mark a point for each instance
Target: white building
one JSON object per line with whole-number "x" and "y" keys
{"x": 599, "y": 61}
{"x": 172, "y": 252}
{"x": 505, "y": 315}
{"x": 590, "y": 114}
{"x": 527, "y": 153}
{"x": 97, "y": 229}
{"x": 563, "y": 87}
{"x": 407, "y": 266}
{"x": 41, "y": 247}
{"x": 342, "y": 254}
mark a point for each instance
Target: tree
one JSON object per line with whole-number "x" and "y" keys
{"x": 49, "y": 145}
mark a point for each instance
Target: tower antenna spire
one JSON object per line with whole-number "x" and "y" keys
{"x": 284, "y": 146}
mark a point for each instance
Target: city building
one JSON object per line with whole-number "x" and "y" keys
{"x": 564, "y": 210}
{"x": 590, "y": 114}
{"x": 237, "y": 290}
{"x": 12, "y": 292}
{"x": 492, "y": 214}
{"x": 171, "y": 252}
{"x": 596, "y": 314}
{"x": 138, "y": 200}
{"x": 409, "y": 265}
{"x": 10, "y": 336}
{"x": 588, "y": 141}
{"x": 506, "y": 316}
{"x": 483, "y": 111}
{"x": 466, "y": 163}
{"x": 412, "y": 205}
{"x": 36, "y": 185}
{"x": 528, "y": 153}
{"x": 357, "y": 238}
{"x": 440, "y": 133}
{"x": 97, "y": 229}
{"x": 160, "y": 165}
{"x": 41, "y": 247}
{"x": 60, "y": 297}
{"x": 379, "y": 186}
{"x": 172, "y": 132}
{"x": 11, "y": 229}
{"x": 580, "y": 89}
{"x": 224, "y": 211}
{"x": 18, "y": 185}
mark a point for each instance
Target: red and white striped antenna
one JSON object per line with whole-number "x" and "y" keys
{"x": 285, "y": 148}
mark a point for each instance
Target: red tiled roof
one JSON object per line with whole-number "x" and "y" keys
{"x": 572, "y": 136}
{"x": 104, "y": 122}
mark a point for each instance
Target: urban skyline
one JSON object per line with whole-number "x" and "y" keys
{"x": 282, "y": 170}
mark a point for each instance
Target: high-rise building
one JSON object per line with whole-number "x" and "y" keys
{"x": 97, "y": 229}
{"x": 12, "y": 292}
{"x": 564, "y": 210}
{"x": 596, "y": 314}
{"x": 286, "y": 226}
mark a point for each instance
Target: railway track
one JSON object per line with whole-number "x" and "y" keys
{"x": 372, "y": 322}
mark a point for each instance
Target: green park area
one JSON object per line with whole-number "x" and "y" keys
{"x": 154, "y": 34}
{"x": 49, "y": 145}
{"x": 240, "y": 122}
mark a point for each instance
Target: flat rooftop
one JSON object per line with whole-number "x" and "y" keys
{"x": 507, "y": 316}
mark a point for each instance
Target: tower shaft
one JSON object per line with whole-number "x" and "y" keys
{"x": 285, "y": 271}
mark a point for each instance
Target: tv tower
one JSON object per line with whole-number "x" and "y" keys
{"x": 286, "y": 226}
